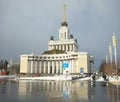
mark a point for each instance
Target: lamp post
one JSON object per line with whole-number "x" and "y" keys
{"x": 110, "y": 52}
{"x": 114, "y": 41}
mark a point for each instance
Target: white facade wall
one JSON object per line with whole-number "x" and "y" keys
{"x": 53, "y": 63}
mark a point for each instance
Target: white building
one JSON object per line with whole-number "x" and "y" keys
{"x": 61, "y": 51}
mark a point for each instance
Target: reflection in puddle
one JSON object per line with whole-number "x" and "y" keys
{"x": 58, "y": 91}
{"x": 62, "y": 90}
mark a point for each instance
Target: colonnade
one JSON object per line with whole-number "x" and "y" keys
{"x": 64, "y": 47}
{"x": 50, "y": 66}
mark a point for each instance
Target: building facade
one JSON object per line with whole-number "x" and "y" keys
{"x": 61, "y": 51}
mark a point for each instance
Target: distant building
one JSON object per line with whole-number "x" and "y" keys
{"x": 13, "y": 68}
{"x": 61, "y": 52}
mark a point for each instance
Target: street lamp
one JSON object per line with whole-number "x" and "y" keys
{"x": 114, "y": 41}
{"x": 110, "y": 52}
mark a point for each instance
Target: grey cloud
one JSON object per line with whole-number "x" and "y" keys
{"x": 26, "y": 25}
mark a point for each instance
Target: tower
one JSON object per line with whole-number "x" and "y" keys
{"x": 65, "y": 42}
{"x": 64, "y": 31}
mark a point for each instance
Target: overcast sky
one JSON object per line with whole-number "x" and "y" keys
{"x": 26, "y": 26}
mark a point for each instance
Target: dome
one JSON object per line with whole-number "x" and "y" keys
{"x": 64, "y": 24}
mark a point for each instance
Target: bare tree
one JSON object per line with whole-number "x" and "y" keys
{"x": 3, "y": 65}
{"x": 106, "y": 68}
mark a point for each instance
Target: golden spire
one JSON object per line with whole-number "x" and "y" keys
{"x": 64, "y": 23}
{"x": 64, "y": 16}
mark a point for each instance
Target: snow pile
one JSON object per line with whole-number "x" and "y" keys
{"x": 60, "y": 77}
{"x": 114, "y": 79}
{"x": 100, "y": 79}
{"x": 110, "y": 79}
{"x": 7, "y": 76}
{"x": 56, "y": 78}
{"x": 85, "y": 78}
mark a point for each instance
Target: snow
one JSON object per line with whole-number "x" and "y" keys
{"x": 7, "y": 76}
{"x": 85, "y": 78}
{"x": 57, "y": 77}
{"x": 111, "y": 79}
{"x": 63, "y": 77}
{"x": 100, "y": 79}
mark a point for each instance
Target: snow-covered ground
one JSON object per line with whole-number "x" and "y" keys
{"x": 62, "y": 77}
{"x": 110, "y": 79}
{"x": 7, "y": 76}
{"x": 56, "y": 77}
{"x": 83, "y": 79}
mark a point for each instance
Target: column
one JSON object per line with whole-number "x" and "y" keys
{"x": 48, "y": 66}
{"x": 66, "y": 47}
{"x": 44, "y": 67}
{"x": 57, "y": 67}
{"x": 61, "y": 67}
{"x": 70, "y": 47}
{"x": 72, "y": 66}
{"x": 40, "y": 66}
{"x": 53, "y": 67}
{"x": 28, "y": 68}
{"x": 31, "y": 69}
{"x": 56, "y": 47}
{"x": 35, "y": 67}
{"x": 59, "y": 47}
